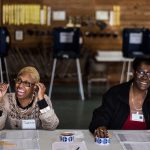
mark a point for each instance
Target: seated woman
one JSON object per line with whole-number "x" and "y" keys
{"x": 28, "y": 107}
{"x": 127, "y": 105}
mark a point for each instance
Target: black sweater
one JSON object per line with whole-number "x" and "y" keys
{"x": 115, "y": 108}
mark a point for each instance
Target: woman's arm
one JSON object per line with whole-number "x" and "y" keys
{"x": 47, "y": 114}
{"x": 3, "y": 116}
{"x": 102, "y": 116}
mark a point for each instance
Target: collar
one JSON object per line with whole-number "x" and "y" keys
{"x": 124, "y": 91}
{"x": 18, "y": 103}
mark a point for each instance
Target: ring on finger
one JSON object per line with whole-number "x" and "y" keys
{"x": 101, "y": 130}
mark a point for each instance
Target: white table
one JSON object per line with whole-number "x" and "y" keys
{"x": 116, "y": 56}
{"x": 48, "y": 137}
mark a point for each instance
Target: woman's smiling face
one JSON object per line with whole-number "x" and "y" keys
{"x": 24, "y": 86}
{"x": 142, "y": 77}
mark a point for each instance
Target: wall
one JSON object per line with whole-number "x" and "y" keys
{"x": 133, "y": 13}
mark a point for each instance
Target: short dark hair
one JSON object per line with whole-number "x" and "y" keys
{"x": 140, "y": 60}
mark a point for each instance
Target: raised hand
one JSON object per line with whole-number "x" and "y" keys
{"x": 3, "y": 89}
{"x": 41, "y": 90}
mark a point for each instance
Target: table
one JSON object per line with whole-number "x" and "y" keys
{"x": 116, "y": 56}
{"x": 46, "y": 138}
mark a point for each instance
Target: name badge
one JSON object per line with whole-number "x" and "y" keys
{"x": 137, "y": 117}
{"x": 28, "y": 124}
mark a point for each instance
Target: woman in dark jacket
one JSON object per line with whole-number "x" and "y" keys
{"x": 127, "y": 105}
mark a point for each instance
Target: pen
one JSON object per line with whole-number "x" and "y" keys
{"x": 78, "y": 148}
{"x": 5, "y": 143}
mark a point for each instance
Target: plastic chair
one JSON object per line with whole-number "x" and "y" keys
{"x": 97, "y": 74}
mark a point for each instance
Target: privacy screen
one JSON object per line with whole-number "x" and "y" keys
{"x": 66, "y": 42}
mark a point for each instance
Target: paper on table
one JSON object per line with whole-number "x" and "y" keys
{"x": 134, "y": 141}
{"x": 19, "y": 134}
{"x": 19, "y": 140}
{"x": 69, "y": 146}
{"x": 20, "y": 144}
{"x": 78, "y": 134}
{"x": 133, "y": 137}
{"x": 136, "y": 146}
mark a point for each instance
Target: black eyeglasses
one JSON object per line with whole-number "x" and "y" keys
{"x": 25, "y": 83}
{"x": 142, "y": 74}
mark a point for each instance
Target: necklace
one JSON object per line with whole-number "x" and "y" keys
{"x": 29, "y": 104}
{"x": 133, "y": 98}
{"x": 23, "y": 110}
{"x": 136, "y": 107}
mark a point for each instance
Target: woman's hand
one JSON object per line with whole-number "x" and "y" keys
{"x": 40, "y": 90}
{"x": 3, "y": 89}
{"x": 101, "y": 132}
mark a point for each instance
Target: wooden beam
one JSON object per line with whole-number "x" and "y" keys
{"x": 1, "y": 12}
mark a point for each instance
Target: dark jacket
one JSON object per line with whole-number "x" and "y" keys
{"x": 115, "y": 108}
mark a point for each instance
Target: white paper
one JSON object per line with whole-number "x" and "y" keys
{"x": 69, "y": 146}
{"x": 101, "y": 15}
{"x": 19, "y": 35}
{"x": 21, "y": 144}
{"x": 133, "y": 137}
{"x": 66, "y": 37}
{"x": 136, "y": 146}
{"x": 19, "y": 140}
{"x": 42, "y": 16}
{"x": 134, "y": 141}
{"x": 112, "y": 18}
{"x": 19, "y": 134}
{"x": 48, "y": 16}
{"x": 135, "y": 38}
{"x": 59, "y": 15}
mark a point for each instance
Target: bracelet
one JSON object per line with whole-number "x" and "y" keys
{"x": 1, "y": 112}
{"x": 44, "y": 110}
{"x": 101, "y": 130}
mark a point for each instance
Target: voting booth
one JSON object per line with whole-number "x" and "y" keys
{"x": 132, "y": 42}
{"x": 4, "y": 48}
{"x": 136, "y": 42}
{"x": 67, "y": 44}
{"x": 4, "y": 41}
{"x": 146, "y": 42}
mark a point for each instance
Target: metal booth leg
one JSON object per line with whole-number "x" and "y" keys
{"x": 52, "y": 77}
{"x": 1, "y": 72}
{"x": 122, "y": 72}
{"x": 128, "y": 71}
{"x": 80, "y": 79}
{"x": 5, "y": 62}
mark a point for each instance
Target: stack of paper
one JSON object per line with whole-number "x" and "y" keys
{"x": 69, "y": 146}
{"x": 134, "y": 140}
{"x": 19, "y": 140}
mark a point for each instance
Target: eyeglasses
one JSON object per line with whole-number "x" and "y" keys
{"x": 25, "y": 83}
{"x": 142, "y": 74}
